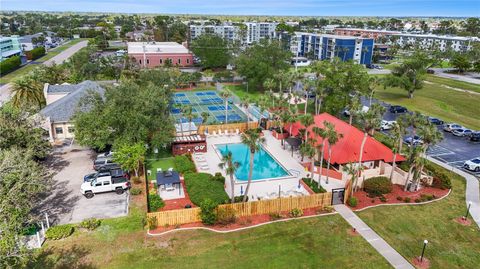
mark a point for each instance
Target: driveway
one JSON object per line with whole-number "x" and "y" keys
{"x": 65, "y": 203}
{"x": 470, "y": 77}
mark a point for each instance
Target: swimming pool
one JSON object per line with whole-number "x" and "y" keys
{"x": 264, "y": 165}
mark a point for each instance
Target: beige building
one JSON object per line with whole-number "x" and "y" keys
{"x": 62, "y": 102}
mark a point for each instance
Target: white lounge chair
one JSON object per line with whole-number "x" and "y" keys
{"x": 159, "y": 170}
{"x": 170, "y": 169}
{"x": 237, "y": 131}
{"x": 149, "y": 173}
{"x": 220, "y": 133}
{"x": 214, "y": 133}
{"x": 226, "y": 133}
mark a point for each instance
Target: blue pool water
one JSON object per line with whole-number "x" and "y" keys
{"x": 264, "y": 166}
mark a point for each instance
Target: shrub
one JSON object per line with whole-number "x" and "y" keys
{"x": 296, "y": 212}
{"x": 328, "y": 209}
{"x": 313, "y": 185}
{"x": 59, "y": 231}
{"x": 218, "y": 177}
{"x": 226, "y": 215}
{"x": 135, "y": 191}
{"x": 152, "y": 222}
{"x": 275, "y": 216}
{"x": 353, "y": 201}
{"x": 239, "y": 199}
{"x": 399, "y": 198}
{"x": 184, "y": 164}
{"x": 441, "y": 176}
{"x": 417, "y": 200}
{"x": 383, "y": 199}
{"x": 201, "y": 186}
{"x": 377, "y": 186}
{"x": 155, "y": 202}
{"x": 407, "y": 199}
{"x": 207, "y": 213}
{"x": 10, "y": 64}
{"x": 426, "y": 197}
{"x": 90, "y": 224}
{"x": 35, "y": 53}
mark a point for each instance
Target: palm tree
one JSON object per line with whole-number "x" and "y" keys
{"x": 292, "y": 118}
{"x": 269, "y": 84}
{"x": 415, "y": 120}
{"x": 307, "y": 86}
{"x": 332, "y": 138}
{"x": 252, "y": 139}
{"x": 415, "y": 158}
{"x": 204, "y": 115}
{"x": 345, "y": 50}
{"x": 225, "y": 94}
{"x": 27, "y": 91}
{"x": 284, "y": 118}
{"x": 188, "y": 113}
{"x": 397, "y": 132}
{"x": 352, "y": 171}
{"x": 308, "y": 150}
{"x": 245, "y": 102}
{"x": 369, "y": 121}
{"x": 306, "y": 121}
{"x": 230, "y": 168}
{"x": 320, "y": 94}
{"x": 354, "y": 107}
{"x": 321, "y": 132}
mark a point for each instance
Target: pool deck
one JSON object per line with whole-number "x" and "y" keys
{"x": 208, "y": 163}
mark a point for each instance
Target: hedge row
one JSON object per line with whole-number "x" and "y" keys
{"x": 35, "y": 53}
{"x": 203, "y": 186}
{"x": 10, "y": 64}
{"x": 377, "y": 186}
{"x": 184, "y": 164}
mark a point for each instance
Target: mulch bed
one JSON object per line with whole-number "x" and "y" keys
{"x": 365, "y": 201}
{"x": 464, "y": 222}
{"x": 424, "y": 264}
{"x": 178, "y": 203}
{"x": 241, "y": 222}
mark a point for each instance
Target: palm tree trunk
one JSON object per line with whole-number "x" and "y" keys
{"x": 319, "y": 106}
{"x": 361, "y": 152}
{"x": 232, "y": 188}
{"x": 306, "y": 104}
{"x": 250, "y": 172}
{"x": 328, "y": 163}
{"x": 408, "y": 178}
{"x": 350, "y": 118}
{"x": 316, "y": 105}
{"x": 393, "y": 164}
{"x": 226, "y": 111}
{"x": 321, "y": 161}
{"x": 312, "y": 167}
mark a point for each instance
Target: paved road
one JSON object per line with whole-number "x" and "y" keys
{"x": 389, "y": 253}
{"x": 59, "y": 58}
{"x": 467, "y": 77}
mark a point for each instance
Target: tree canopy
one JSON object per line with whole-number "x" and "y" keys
{"x": 213, "y": 50}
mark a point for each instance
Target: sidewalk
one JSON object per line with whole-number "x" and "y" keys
{"x": 390, "y": 254}
{"x": 472, "y": 192}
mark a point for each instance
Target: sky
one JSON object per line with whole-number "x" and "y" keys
{"x": 452, "y": 8}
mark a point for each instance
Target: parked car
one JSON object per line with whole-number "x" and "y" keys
{"x": 387, "y": 124}
{"x": 475, "y": 137}
{"x": 435, "y": 121}
{"x": 397, "y": 109}
{"x": 473, "y": 164}
{"x": 346, "y": 112}
{"x": 430, "y": 71}
{"x": 103, "y": 163}
{"x": 417, "y": 140}
{"x": 451, "y": 126}
{"x": 108, "y": 154}
{"x": 461, "y": 132}
{"x": 106, "y": 172}
{"x": 105, "y": 184}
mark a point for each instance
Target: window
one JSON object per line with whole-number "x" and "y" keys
{"x": 188, "y": 61}
{"x": 97, "y": 184}
{"x": 179, "y": 61}
{"x": 140, "y": 61}
{"x": 58, "y": 130}
{"x": 161, "y": 61}
{"x": 71, "y": 129}
{"x": 105, "y": 183}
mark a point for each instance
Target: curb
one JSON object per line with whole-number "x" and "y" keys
{"x": 406, "y": 204}
{"x": 237, "y": 229}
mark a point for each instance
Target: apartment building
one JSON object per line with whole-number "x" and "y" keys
{"x": 153, "y": 54}
{"x": 456, "y": 43}
{"x": 227, "y": 32}
{"x": 327, "y": 47}
{"x": 260, "y": 30}
{"x": 10, "y": 46}
{"x": 367, "y": 33}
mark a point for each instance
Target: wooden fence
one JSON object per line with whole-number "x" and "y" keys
{"x": 231, "y": 127}
{"x": 182, "y": 216}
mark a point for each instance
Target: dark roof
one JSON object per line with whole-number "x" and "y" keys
{"x": 65, "y": 88}
{"x": 28, "y": 38}
{"x": 63, "y": 109}
{"x": 167, "y": 177}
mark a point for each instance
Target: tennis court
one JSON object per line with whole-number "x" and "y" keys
{"x": 206, "y": 101}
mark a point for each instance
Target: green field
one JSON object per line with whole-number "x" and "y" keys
{"x": 163, "y": 163}
{"x": 29, "y": 67}
{"x": 405, "y": 227}
{"x": 437, "y": 101}
{"x": 453, "y": 83}
{"x": 241, "y": 92}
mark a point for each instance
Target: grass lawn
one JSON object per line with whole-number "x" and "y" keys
{"x": 437, "y": 101}
{"x": 321, "y": 242}
{"x": 163, "y": 163}
{"x": 453, "y": 83}
{"x": 241, "y": 92}
{"x": 29, "y": 67}
{"x": 451, "y": 245}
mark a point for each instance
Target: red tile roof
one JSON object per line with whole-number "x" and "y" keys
{"x": 347, "y": 149}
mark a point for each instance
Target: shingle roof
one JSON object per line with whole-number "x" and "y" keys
{"x": 63, "y": 109}
{"x": 65, "y": 88}
{"x": 347, "y": 149}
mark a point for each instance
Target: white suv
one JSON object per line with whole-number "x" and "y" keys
{"x": 473, "y": 164}
{"x": 451, "y": 126}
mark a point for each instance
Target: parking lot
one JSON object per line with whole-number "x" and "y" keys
{"x": 65, "y": 203}
{"x": 451, "y": 150}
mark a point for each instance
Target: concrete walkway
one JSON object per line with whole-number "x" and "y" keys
{"x": 472, "y": 192}
{"x": 390, "y": 254}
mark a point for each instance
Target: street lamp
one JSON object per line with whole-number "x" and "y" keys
{"x": 425, "y": 242}
{"x": 468, "y": 210}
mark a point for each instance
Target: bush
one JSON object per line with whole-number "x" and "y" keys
{"x": 399, "y": 198}
{"x": 226, "y": 215}
{"x": 218, "y": 177}
{"x": 329, "y": 209}
{"x": 155, "y": 202}
{"x": 135, "y": 191}
{"x": 441, "y": 176}
{"x": 296, "y": 212}
{"x": 352, "y": 201}
{"x": 417, "y": 200}
{"x": 313, "y": 185}
{"x": 377, "y": 186}
{"x": 184, "y": 164}
{"x": 35, "y": 53}
{"x": 10, "y": 64}
{"x": 90, "y": 224}
{"x": 207, "y": 213}
{"x": 239, "y": 199}
{"x": 275, "y": 216}
{"x": 223, "y": 76}
{"x": 59, "y": 232}
{"x": 407, "y": 200}
{"x": 201, "y": 186}
{"x": 426, "y": 197}
{"x": 152, "y": 222}
{"x": 382, "y": 199}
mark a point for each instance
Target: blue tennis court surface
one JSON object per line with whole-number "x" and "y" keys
{"x": 208, "y": 101}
